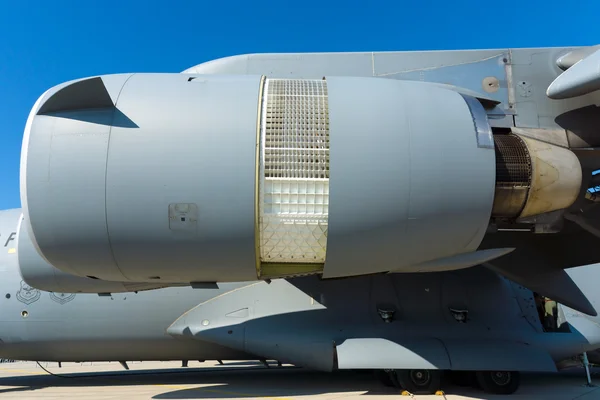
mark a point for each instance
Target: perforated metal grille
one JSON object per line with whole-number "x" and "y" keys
{"x": 294, "y": 181}
{"x": 513, "y": 165}
{"x": 297, "y": 129}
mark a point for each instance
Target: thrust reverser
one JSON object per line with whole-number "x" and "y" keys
{"x": 192, "y": 178}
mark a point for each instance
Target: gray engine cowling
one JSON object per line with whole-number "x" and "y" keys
{"x": 38, "y": 273}
{"x": 192, "y": 178}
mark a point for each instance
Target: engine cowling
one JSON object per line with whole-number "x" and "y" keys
{"x": 192, "y": 178}
{"x": 38, "y": 273}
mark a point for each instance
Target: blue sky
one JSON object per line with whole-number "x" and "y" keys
{"x": 44, "y": 43}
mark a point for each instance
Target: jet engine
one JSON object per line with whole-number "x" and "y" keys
{"x": 177, "y": 178}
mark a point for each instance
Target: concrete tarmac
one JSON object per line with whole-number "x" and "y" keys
{"x": 245, "y": 380}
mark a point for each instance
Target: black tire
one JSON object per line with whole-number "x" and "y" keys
{"x": 394, "y": 378}
{"x": 384, "y": 377}
{"x": 499, "y": 382}
{"x": 420, "y": 381}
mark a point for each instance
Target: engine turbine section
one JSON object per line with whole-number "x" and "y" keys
{"x": 533, "y": 177}
{"x": 173, "y": 178}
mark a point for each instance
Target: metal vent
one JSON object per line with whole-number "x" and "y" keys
{"x": 296, "y": 129}
{"x": 513, "y": 176}
{"x": 513, "y": 164}
{"x": 294, "y": 171}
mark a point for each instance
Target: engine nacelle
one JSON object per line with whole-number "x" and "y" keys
{"x": 37, "y": 273}
{"x": 192, "y": 178}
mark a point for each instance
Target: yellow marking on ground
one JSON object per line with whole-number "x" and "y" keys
{"x": 12, "y": 250}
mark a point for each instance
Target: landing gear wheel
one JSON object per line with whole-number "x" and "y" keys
{"x": 420, "y": 381}
{"x": 384, "y": 377}
{"x": 499, "y": 382}
{"x": 393, "y": 378}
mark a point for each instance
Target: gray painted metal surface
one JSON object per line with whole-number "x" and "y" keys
{"x": 345, "y": 315}
{"x": 152, "y": 192}
{"x": 570, "y": 58}
{"x": 422, "y": 353}
{"x": 460, "y": 261}
{"x": 38, "y": 273}
{"x": 580, "y": 79}
{"x": 428, "y": 66}
{"x": 387, "y": 151}
{"x": 516, "y": 77}
{"x": 201, "y": 156}
{"x": 305, "y": 321}
{"x": 318, "y": 323}
{"x": 68, "y": 326}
